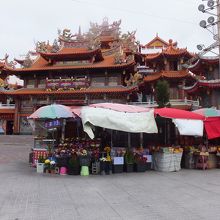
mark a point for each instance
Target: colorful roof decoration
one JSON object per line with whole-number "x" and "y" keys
{"x": 168, "y": 74}
{"x": 82, "y": 51}
{"x": 203, "y": 84}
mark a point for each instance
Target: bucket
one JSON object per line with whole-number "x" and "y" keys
{"x": 40, "y": 167}
{"x": 84, "y": 171}
{"x": 63, "y": 171}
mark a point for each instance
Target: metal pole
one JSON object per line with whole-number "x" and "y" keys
{"x": 141, "y": 139}
{"x": 129, "y": 140}
{"x": 63, "y": 129}
{"x": 218, "y": 27}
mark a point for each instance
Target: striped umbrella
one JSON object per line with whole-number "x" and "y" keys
{"x": 52, "y": 112}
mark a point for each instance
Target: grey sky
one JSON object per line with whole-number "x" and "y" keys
{"x": 24, "y": 22}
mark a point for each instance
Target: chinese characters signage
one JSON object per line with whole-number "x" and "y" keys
{"x": 65, "y": 84}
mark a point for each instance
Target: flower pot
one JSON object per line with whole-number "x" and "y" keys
{"x": 140, "y": 167}
{"x": 53, "y": 171}
{"x": 74, "y": 170}
{"x": 117, "y": 168}
{"x": 40, "y": 167}
{"x": 129, "y": 168}
{"x": 62, "y": 161}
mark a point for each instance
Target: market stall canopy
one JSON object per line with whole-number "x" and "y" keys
{"x": 188, "y": 123}
{"x": 52, "y": 112}
{"x": 134, "y": 122}
{"x": 121, "y": 107}
{"x": 212, "y": 121}
{"x": 212, "y": 127}
{"x": 177, "y": 113}
{"x": 208, "y": 112}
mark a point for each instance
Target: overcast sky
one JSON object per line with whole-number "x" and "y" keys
{"x": 24, "y": 22}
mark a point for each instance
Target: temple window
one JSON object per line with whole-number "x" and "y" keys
{"x": 98, "y": 81}
{"x": 31, "y": 83}
{"x": 41, "y": 83}
{"x": 174, "y": 65}
{"x": 113, "y": 81}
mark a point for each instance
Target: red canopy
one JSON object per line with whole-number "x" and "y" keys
{"x": 177, "y": 113}
{"x": 212, "y": 127}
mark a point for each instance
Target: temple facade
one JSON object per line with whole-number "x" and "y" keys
{"x": 77, "y": 69}
{"x": 104, "y": 65}
{"x": 207, "y": 87}
{"x": 164, "y": 61}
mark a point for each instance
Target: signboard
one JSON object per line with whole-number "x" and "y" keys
{"x": 25, "y": 126}
{"x": 52, "y": 124}
{"x": 66, "y": 84}
{"x": 118, "y": 160}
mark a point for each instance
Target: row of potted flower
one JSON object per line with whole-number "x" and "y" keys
{"x": 129, "y": 162}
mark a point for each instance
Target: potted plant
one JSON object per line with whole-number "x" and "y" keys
{"x": 140, "y": 163}
{"x": 129, "y": 161}
{"x": 49, "y": 166}
{"x": 85, "y": 161}
{"x": 52, "y": 167}
{"x": 40, "y": 164}
{"x": 73, "y": 165}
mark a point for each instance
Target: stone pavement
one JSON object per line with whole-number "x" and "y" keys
{"x": 26, "y": 195}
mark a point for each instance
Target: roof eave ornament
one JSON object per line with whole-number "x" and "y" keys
{"x": 11, "y": 64}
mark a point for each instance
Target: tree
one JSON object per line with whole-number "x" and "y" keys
{"x": 162, "y": 93}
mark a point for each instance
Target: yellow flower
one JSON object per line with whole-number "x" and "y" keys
{"x": 47, "y": 161}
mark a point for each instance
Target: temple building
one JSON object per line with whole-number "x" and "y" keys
{"x": 207, "y": 87}
{"x": 103, "y": 65}
{"x": 164, "y": 60}
{"x": 77, "y": 69}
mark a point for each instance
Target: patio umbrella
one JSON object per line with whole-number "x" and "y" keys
{"x": 208, "y": 112}
{"x": 53, "y": 111}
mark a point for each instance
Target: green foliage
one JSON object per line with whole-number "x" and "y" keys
{"x": 41, "y": 159}
{"x": 74, "y": 161}
{"x": 162, "y": 93}
{"x": 129, "y": 157}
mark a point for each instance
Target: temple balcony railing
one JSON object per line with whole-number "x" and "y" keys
{"x": 7, "y": 106}
{"x": 173, "y": 103}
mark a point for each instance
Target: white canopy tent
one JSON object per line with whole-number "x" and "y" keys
{"x": 135, "y": 122}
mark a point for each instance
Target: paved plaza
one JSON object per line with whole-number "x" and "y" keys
{"x": 26, "y": 195}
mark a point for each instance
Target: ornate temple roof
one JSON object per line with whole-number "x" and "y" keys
{"x": 40, "y": 64}
{"x": 157, "y": 42}
{"x": 203, "y": 84}
{"x": 82, "y": 51}
{"x": 201, "y": 62}
{"x": 90, "y": 90}
{"x": 169, "y": 52}
{"x": 66, "y": 54}
{"x": 181, "y": 74}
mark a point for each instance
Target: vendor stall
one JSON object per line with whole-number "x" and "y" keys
{"x": 167, "y": 159}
